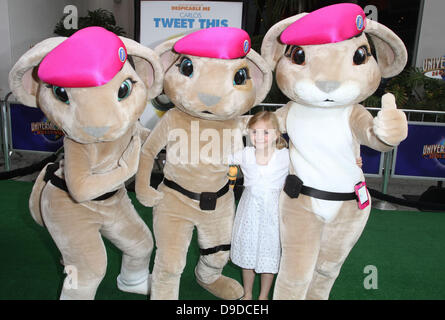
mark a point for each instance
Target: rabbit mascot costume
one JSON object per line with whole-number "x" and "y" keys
{"x": 212, "y": 76}
{"x": 323, "y": 63}
{"x": 94, "y": 86}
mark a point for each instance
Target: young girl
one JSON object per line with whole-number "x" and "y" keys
{"x": 256, "y": 236}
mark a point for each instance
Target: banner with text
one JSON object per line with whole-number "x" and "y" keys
{"x": 422, "y": 153}
{"x": 32, "y": 131}
{"x": 164, "y": 20}
{"x": 431, "y": 50}
{"x": 372, "y": 161}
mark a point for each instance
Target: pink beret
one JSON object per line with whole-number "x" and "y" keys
{"x": 330, "y": 24}
{"x": 89, "y": 58}
{"x": 218, "y": 42}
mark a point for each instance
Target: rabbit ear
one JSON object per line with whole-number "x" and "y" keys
{"x": 391, "y": 52}
{"x": 147, "y": 65}
{"x": 272, "y": 49}
{"x": 166, "y": 53}
{"x": 23, "y": 80}
{"x": 261, "y": 75}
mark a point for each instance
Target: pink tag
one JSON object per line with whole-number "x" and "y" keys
{"x": 362, "y": 195}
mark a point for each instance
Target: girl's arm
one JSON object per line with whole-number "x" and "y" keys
{"x": 359, "y": 162}
{"x": 236, "y": 158}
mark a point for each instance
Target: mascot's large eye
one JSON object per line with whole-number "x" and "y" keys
{"x": 297, "y": 55}
{"x": 125, "y": 89}
{"x": 61, "y": 94}
{"x": 361, "y": 55}
{"x": 241, "y": 77}
{"x": 186, "y": 67}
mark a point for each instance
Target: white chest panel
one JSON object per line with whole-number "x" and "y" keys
{"x": 323, "y": 152}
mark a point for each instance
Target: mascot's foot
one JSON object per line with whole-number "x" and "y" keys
{"x": 139, "y": 288}
{"x": 224, "y": 288}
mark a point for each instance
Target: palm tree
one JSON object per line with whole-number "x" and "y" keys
{"x": 99, "y": 17}
{"x": 270, "y": 12}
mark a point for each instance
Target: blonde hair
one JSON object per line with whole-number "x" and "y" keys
{"x": 270, "y": 117}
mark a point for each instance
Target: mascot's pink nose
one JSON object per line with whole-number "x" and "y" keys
{"x": 96, "y": 132}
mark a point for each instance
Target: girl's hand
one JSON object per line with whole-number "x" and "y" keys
{"x": 359, "y": 162}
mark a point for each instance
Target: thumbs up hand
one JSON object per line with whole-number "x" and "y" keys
{"x": 390, "y": 125}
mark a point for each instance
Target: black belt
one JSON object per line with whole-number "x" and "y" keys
{"x": 294, "y": 186}
{"x": 327, "y": 195}
{"x": 207, "y": 200}
{"x": 223, "y": 247}
{"x": 61, "y": 184}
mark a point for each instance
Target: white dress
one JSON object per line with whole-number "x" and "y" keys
{"x": 256, "y": 233}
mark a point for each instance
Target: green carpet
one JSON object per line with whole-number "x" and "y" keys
{"x": 406, "y": 248}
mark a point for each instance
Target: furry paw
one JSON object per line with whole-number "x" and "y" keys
{"x": 224, "y": 288}
{"x": 390, "y": 125}
{"x": 149, "y": 197}
{"x": 139, "y": 288}
{"x": 130, "y": 157}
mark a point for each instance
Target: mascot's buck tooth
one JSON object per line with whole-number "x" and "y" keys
{"x": 88, "y": 88}
{"x": 326, "y": 70}
{"x": 212, "y": 77}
